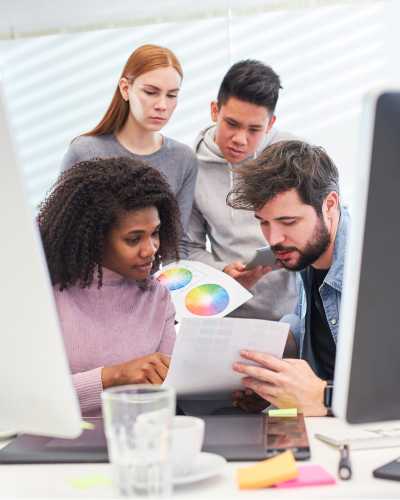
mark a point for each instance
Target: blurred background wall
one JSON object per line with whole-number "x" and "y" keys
{"x": 60, "y": 63}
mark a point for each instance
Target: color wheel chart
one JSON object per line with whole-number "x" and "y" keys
{"x": 175, "y": 278}
{"x": 207, "y": 300}
{"x": 199, "y": 290}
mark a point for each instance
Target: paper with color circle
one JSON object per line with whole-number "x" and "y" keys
{"x": 199, "y": 290}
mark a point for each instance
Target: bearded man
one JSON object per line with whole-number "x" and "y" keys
{"x": 293, "y": 189}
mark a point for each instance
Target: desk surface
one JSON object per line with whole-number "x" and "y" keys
{"x": 19, "y": 481}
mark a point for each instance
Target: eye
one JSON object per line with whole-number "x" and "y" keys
{"x": 149, "y": 92}
{"x": 132, "y": 241}
{"x": 172, "y": 96}
{"x": 231, "y": 124}
{"x": 156, "y": 233}
{"x": 288, "y": 222}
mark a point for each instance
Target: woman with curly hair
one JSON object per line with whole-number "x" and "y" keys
{"x": 105, "y": 227}
{"x": 142, "y": 104}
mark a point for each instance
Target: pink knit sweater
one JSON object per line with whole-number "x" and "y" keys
{"x": 117, "y": 323}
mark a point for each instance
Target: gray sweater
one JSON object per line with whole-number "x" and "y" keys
{"x": 175, "y": 160}
{"x": 234, "y": 234}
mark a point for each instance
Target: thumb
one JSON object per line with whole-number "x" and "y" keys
{"x": 240, "y": 266}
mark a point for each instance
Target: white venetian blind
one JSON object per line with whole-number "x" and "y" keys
{"x": 327, "y": 54}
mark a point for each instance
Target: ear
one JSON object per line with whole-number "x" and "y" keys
{"x": 124, "y": 88}
{"x": 271, "y": 123}
{"x": 331, "y": 203}
{"x": 214, "y": 111}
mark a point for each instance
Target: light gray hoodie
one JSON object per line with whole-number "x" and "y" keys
{"x": 234, "y": 234}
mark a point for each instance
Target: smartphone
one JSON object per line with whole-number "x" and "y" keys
{"x": 287, "y": 433}
{"x": 264, "y": 256}
{"x": 389, "y": 471}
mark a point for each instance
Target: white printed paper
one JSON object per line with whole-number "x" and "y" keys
{"x": 200, "y": 291}
{"x": 206, "y": 349}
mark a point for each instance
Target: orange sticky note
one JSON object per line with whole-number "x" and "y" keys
{"x": 280, "y": 468}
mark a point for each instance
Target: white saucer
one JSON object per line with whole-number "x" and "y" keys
{"x": 7, "y": 434}
{"x": 206, "y": 465}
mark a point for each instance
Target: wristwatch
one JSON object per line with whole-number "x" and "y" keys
{"x": 328, "y": 396}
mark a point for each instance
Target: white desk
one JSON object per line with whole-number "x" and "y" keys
{"x": 54, "y": 480}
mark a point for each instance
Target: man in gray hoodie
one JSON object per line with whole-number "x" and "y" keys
{"x": 244, "y": 119}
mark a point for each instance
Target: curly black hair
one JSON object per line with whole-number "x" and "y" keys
{"x": 85, "y": 203}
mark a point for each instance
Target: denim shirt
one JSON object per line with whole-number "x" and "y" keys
{"x": 330, "y": 291}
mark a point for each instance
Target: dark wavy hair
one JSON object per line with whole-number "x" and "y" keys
{"x": 85, "y": 204}
{"x": 283, "y": 166}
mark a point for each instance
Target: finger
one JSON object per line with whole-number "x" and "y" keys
{"x": 240, "y": 266}
{"x": 153, "y": 377}
{"x": 263, "y": 389}
{"x": 161, "y": 369}
{"x": 245, "y": 406}
{"x": 264, "y": 359}
{"x": 237, "y": 394}
{"x": 258, "y": 372}
{"x": 252, "y": 274}
{"x": 261, "y": 270}
{"x": 266, "y": 270}
{"x": 166, "y": 360}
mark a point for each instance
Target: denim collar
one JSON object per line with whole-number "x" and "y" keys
{"x": 334, "y": 278}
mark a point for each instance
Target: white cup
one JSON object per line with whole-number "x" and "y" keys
{"x": 187, "y": 441}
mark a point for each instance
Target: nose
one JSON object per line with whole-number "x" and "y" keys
{"x": 148, "y": 248}
{"x": 161, "y": 103}
{"x": 274, "y": 235}
{"x": 240, "y": 137}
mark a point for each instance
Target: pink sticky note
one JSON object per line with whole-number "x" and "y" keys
{"x": 309, "y": 475}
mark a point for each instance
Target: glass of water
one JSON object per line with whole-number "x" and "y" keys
{"x": 138, "y": 428}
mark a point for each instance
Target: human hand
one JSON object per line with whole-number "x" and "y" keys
{"x": 247, "y": 278}
{"x": 286, "y": 383}
{"x": 249, "y": 401}
{"x": 150, "y": 369}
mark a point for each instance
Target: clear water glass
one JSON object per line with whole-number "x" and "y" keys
{"x": 138, "y": 428}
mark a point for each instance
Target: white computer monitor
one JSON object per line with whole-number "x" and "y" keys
{"x": 36, "y": 390}
{"x": 367, "y": 370}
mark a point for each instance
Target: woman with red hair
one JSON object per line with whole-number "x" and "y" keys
{"x": 143, "y": 103}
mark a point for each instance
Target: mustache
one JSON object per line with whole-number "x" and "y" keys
{"x": 281, "y": 248}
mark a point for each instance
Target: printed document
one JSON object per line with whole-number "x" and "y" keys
{"x": 205, "y": 350}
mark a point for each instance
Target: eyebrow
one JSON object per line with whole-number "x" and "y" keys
{"x": 154, "y": 87}
{"x": 142, "y": 231}
{"x": 232, "y": 120}
{"x": 284, "y": 217}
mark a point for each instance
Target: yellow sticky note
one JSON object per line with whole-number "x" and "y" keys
{"x": 283, "y": 412}
{"x": 90, "y": 481}
{"x": 87, "y": 425}
{"x": 280, "y": 468}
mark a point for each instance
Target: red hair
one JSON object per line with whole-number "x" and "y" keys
{"x": 144, "y": 59}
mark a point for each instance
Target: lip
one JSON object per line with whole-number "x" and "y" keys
{"x": 144, "y": 267}
{"x": 236, "y": 152}
{"x": 283, "y": 255}
{"x": 157, "y": 119}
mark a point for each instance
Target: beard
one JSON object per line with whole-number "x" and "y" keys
{"x": 316, "y": 246}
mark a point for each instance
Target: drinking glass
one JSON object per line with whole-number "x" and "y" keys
{"x": 138, "y": 428}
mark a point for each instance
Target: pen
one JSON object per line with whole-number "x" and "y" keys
{"x": 344, "y": 469}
